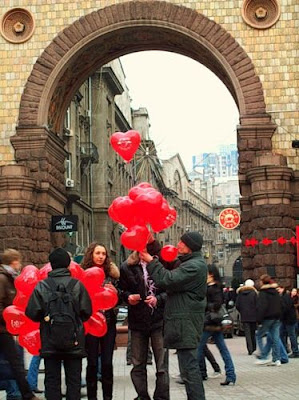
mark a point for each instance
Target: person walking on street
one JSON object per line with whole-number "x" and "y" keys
{"x": 61, "y": 304}
{"x": 185, "y": 305}
{"x": 268, "y": 320}
{"x": 96, "y": 255}
{"x": 11, "y": 265}
{"x": 246, "y": 305}
{"x": 213, "y": 328}
{"x": 145, "y": 317}
{"x": 288, "y": 321}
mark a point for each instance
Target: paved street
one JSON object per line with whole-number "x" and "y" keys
{"x": 253, "y": 382}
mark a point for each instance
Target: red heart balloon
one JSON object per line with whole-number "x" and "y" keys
{"x": 169, "y": 253}
{"x": 142, "y": 187}
{"x": 28, "y": 279}
{"x": 96, "y": 325}
{"x": 104, "y": 299}
{"x": 76, "y": 271}
{"x": 148, "y": 203}
{"x": 31, "y": 342}
{"x": 164, "y": 218}
{"x": 21, "y": 300}
{"x": 135, "y": 238}
{"x": 93, "y": 279}
{"x": 14, "y": 319}
{"x": 126, "y": 143}
{"x": 122, "y": 210}
{"x": 43, "y": 272}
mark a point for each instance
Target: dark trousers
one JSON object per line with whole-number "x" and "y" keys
{"x": 9, "y": 348}
{"x": 202, "y": 362}
{"x": 189, "y": 368}
{"x": 139, "y": 349}
{"x": 92, "y": 344}
{"x": 72, "y": 369}
{"x": 249, "y": 330}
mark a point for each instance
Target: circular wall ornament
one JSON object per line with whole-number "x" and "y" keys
{"x": 229, "y": 218}
{"x": 17, "y": 25}
{"x": 260, "y": 14}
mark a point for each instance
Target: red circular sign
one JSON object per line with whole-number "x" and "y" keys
{"x": 229, "y": 218}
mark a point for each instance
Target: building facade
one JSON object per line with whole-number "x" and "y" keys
{"x": 48, "y": 50}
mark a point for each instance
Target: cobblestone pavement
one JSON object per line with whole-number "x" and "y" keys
{"x": 253, "y": 381}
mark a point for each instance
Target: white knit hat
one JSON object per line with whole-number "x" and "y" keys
{"x": 249, "y": 282}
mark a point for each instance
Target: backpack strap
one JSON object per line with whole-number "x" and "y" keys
{"x": 70, "y": 286}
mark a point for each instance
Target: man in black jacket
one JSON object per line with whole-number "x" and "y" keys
{"x": 268, "y": 319}
{"x": 145, "y": 319}
{"x": 37, "y": 310}
{"x": 246, "y": 305}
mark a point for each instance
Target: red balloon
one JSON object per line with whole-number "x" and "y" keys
{"x": 104, "y": 299}
{"x": 126, "y": 143}
{"x": 165, "y": 218}
{"x": 28, "y": 326}
{"x": 148, "y": 203}
{"x": 76, "y": 271}
{"x": 31, "y": 341}
{"x": 142, "y": 187}
{"x": 93, "y": 279}
{"x": 169, "y": 253}
{"x": 43, "y": 272}
{"x": 122, "y": 210}
{"x": 14, "y": 319}
{"x": 96, "y": 325}
{"x": 21, "y": 300}
{"x": 28, "y": 279}
{"x": 135, "y": 238}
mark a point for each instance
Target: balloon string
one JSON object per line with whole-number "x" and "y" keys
{"x": 150, "y": 287}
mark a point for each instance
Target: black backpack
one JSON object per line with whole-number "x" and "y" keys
{"x": 62, "y": 318}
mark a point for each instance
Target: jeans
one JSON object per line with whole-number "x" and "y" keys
{"x": 249, "y": 330}
{"x": 283, "y": 354}
{"x": 139, "y": 352}
{"x": 225, "y": 354}
{"x": 9, "y": 348}
{"x": 32, "y": 375}
{"x": 72, "y": 369}
{"x": 290, "y": 330}
{"x": 190, "y": 373}
{"x": 269, "y": 327}
{"x": 92, "y": 344}
{"x": 202, "y": 364}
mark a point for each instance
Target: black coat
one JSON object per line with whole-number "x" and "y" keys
{"x": 37, "y": 308}
{"x": 288, "y": 315}
{"x": 268, "y": 303}
{"x": 7, "y": 293}
{"x": 246, "y": 303}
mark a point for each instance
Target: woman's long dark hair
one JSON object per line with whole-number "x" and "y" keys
{"x": 213, "y": 270}
{"x": 88, "y": 259}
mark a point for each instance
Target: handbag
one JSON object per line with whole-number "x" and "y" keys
{"x": 216, "y": 317}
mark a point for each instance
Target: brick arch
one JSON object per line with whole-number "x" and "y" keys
{"x": 108, "y": 33}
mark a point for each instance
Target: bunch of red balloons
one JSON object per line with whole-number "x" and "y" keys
{"x": 102, "y": 298}
{"x": 144, "y": 205}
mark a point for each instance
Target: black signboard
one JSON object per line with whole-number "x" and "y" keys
{"x": 64, "y": 223}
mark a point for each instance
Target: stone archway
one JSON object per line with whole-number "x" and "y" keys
{"x": 116, "y": 30}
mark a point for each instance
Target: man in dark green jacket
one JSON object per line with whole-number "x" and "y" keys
{"x": 185, "y": 307}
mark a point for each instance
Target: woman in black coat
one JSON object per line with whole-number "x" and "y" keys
{"x": 214, "y": 329}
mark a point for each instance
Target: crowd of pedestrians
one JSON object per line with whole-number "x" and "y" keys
{"x": 171, "y": 305}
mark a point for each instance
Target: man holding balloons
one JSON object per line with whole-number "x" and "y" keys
{"x": 9, "y": 270}
{"x": 185, "y": 306}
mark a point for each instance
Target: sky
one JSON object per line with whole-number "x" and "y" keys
{"x": 190, "y": 109}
